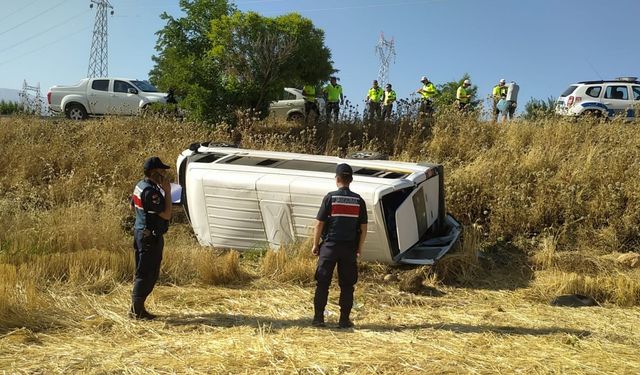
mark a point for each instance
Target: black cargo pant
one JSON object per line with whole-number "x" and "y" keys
{"x": 344, "y": 255}
{"x": 386, "y": 111}
{"x": 332, "y": 108}
{"x": 375, "y": 110}
{"x": 148, "y": 253}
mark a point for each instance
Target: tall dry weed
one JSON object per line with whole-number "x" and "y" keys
{"x": 291, "y": 263}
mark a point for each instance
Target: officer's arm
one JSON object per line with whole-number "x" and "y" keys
{"x": 168, "y": 205}
{"x": 316, "y": 237}
{"x": 363, "y": 235}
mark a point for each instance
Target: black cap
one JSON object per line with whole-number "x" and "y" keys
{"x": 344, "y": 170}
{"x": 154, "y": 162}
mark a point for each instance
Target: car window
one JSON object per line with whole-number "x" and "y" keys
{"x": 100, "y": 85}
{"x": 145, "y": 86}
{"x": 286, "y": 95}
{"x": 594, "y": 91}
{"x": 121, "y": 86}
{"x": 617, "y": 92}
{"x": 568, "y": 91}
{"x": 636, "y": 92}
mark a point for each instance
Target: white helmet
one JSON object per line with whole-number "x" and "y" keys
{"x": 502, "y": 81}
{"x": 423, "y": 78}
{"x": 467, "y": 82}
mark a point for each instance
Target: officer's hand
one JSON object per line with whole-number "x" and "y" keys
{"x": 358, "y": 253}
{"x": 166, "y": 186}
{"x": 315, "y": 250}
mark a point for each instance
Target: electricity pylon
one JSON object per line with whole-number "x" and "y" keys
{"x": 99, "y": 56}
{"x": 386, "y": 52}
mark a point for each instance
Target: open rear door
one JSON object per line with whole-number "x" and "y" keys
{"x": 414, "y": 217}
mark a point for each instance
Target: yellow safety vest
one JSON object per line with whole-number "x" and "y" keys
{"x": 309, "y": 93}
{"x": 428, "y": 91}
{"x": 498, "y": 91}
{"x": 333, "y": 93}
{"x": 376, "y": 95}
{"x": 389, "y": 97}
{"x": 461, "y": 95}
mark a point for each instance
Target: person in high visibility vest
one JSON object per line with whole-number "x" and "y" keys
{"x": 375, "y": 96}
{"x": 334, "y": 97}
{"x": 462, "y": 96}
{"x": 387, "y": 103}
{"x": 310, "y": 103}
{"x": 498, "y": 91}
{"x": 427, "y": 93}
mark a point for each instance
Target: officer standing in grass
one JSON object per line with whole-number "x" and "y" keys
{"x": 310, "y": 103}
{"x": 334, "y": 99}
{"x": 374, "y": 101}
{"x": 342, "y": 226}
{"x": 151, "y": 201}
{"x": 463, "y": 97}
{"x": 497, "y": 93}
{"x": 387, "y": 103}
{"x": 427, "y": 93}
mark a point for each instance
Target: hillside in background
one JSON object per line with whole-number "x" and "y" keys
{"x": 9, "y": 95}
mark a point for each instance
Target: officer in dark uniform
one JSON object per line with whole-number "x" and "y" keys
{"x": 342, "y": 226}
{"x": 151, "y": 201}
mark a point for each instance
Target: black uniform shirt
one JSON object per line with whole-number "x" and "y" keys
{"x": 149, "y": 203}
{"x": 342, "y": 211}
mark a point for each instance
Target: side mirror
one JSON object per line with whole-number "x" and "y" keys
{"x": 132, "y": 91}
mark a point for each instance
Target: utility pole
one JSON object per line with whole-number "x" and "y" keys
{"x": 99, "y": 56}
{"x": 386, "y": 52}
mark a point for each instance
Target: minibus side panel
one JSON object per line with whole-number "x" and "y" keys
{"x": 233, "y": 210}
{"x": 275, "y": 207}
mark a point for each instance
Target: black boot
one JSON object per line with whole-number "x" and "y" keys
{"x": 138, "y": 311}
{"x": 318, "y": 320}
{"x": 344, "y": 321}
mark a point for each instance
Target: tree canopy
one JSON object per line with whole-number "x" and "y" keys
{"x": 219, "y": 60}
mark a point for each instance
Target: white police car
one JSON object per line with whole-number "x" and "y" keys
{"x": 618, "y": 97}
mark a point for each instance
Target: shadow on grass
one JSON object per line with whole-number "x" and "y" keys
{"x": 228, "y": 321}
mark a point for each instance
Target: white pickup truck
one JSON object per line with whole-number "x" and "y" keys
{"x": 103, "y": 96}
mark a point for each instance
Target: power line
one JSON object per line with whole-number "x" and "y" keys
{"x": 39, "y": 49}
{"x": 18, "y": 10}
{"x": 43, "y": 31}
{"x": 32, "y": 18}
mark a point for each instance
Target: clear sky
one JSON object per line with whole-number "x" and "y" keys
{"x": 544, "y": 45}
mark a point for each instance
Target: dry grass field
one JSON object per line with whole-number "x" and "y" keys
{"x": 549, "y": 208}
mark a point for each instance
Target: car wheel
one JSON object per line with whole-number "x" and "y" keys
{"x": 368, "y": 155}
{"x": 296, "y": 117}
{"x": 144, "y": 111}
{"x": 76, "y": 112}
{"x": 592, "y": 114}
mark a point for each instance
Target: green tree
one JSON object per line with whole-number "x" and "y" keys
{"x": 447, "y": 92}
{"x": 10, "y": 108}
{"x": 219, "y": 59}
{"x": 183, "y": 63}
{"x": 536, "y": 109}
{"x": 261, "y": 55}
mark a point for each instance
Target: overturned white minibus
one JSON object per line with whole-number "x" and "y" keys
{"x": 246, "y": 199}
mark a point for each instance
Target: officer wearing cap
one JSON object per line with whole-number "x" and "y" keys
{"x": 151, "y": 201}
{"x": 342, "y": 226}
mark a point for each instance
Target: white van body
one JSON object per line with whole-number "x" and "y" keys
{"x": 247, "y": 199}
